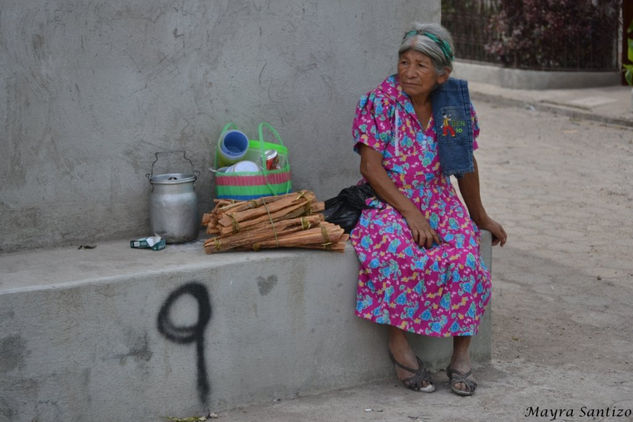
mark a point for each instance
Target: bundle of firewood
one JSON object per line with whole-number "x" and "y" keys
{"x": 293, "y": 220}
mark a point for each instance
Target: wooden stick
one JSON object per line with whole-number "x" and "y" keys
{"x": 281, "y": 228}
{"x": 285, "y": 213}
{"x": 235, "y": 205}
{"x": 317, "y": 207}
{"x": 325, "y": 234}
{"x": 337, "y": 247}
{"x": 289, "y": 220}
{"x": 267, "y": 205}
{"x": 228, "y": 211}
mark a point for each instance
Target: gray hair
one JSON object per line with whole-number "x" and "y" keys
{"x": 420, "y": 38}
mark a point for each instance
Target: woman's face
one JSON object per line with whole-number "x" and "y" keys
{"x": 417, "y": 74}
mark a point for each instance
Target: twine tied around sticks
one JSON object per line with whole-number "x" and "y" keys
{"x": 217, "y": 244}
{"x": 236, "y": 225}
{"x": 272, "y": 224}
{"x": 327, "y": 243}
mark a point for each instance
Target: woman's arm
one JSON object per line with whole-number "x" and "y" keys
{"x": 372, "y": 170}
{"x": 469, "y": 188}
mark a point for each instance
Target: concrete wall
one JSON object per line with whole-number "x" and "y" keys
{"x": 532, "y": 79}
{"x": 105, "y": 334}
{"x": 91, "y": 89}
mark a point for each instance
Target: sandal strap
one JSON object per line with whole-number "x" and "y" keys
{"x": 456, "y": 377}
{"x": 406, "y": 368}
{"x": 450, "y": 372}
{"x": 419, "y": 377}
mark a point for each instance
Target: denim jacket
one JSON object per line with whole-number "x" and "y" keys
{"x": 453, "y": 127}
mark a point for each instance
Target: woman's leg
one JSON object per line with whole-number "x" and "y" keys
{"x": 403, "y": 353}
{"x": 460, "y": 361}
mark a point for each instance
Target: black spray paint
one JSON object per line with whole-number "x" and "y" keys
{"x": 191, "y": 333}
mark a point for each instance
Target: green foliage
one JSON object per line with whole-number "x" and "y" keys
{"x": 553, "y": 34}
{"x": 628, "y": 68}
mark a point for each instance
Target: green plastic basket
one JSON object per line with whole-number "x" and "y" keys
{"x": 249, "y": 185}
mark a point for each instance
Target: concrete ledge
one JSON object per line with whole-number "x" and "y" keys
{"x": 532, "y": 79}
{"x": 114, "y": 333}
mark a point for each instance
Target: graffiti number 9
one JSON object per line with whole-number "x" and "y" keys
{"x": 190, "y": 333}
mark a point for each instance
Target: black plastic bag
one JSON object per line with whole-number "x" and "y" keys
{"x": 345, "y": 208}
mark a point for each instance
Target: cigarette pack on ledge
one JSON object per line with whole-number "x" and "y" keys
{"x": 152, "y": 242}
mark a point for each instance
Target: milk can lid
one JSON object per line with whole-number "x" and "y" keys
{"x": 172, "y": 178}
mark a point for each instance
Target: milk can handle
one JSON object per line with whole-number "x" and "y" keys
{"x": 184, "y": 155}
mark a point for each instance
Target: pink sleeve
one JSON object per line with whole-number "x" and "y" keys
{"x": 372, "y": 125}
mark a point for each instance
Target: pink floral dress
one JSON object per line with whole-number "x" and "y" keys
{"x": 441, "y": 291}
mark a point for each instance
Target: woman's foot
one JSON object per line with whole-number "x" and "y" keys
{"x": 409, "y": 368}
{"x": 459, "y": 370}
{"x": 462, "y": 383}
{"x": 420, "y": 380}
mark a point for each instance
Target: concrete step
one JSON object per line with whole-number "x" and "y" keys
{"x": 115, "y": 333}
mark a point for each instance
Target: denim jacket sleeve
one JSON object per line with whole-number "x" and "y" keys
{"x": 453, "y": 127}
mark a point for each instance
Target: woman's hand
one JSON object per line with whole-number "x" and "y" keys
{"x": 372, "y": 170}
{"x": 469, "y": 188}
{"x": 420, "y": 228}
{"x": 499, "y": 235}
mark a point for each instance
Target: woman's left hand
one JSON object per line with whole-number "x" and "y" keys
{"x": 499, "y": 235}
{"x": 469, "y": 188}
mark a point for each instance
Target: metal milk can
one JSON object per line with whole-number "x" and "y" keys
{"x": 173, "y": 205}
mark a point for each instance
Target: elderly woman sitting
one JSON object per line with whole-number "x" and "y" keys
{"x": 418, "y": 248}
